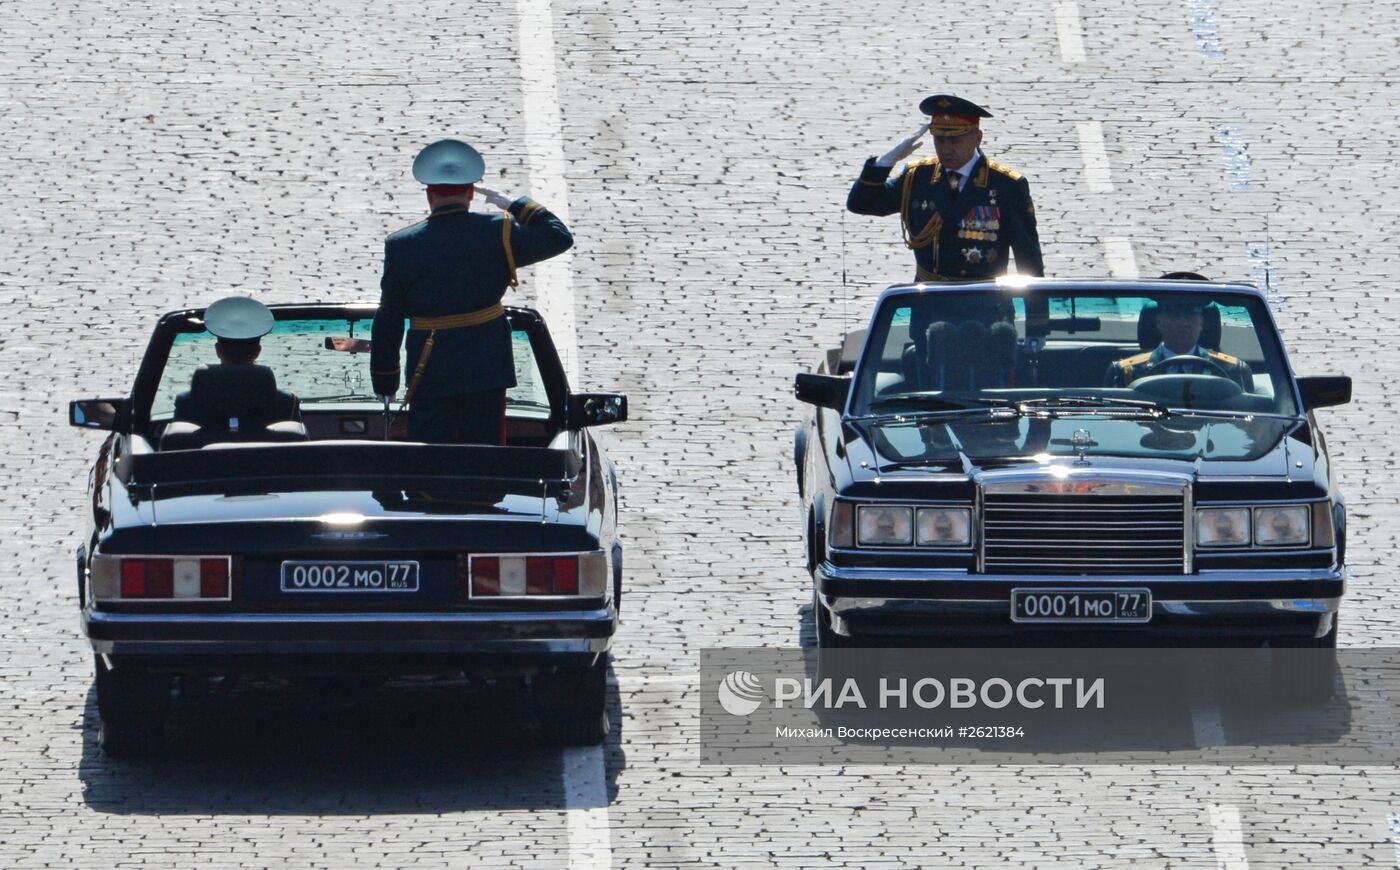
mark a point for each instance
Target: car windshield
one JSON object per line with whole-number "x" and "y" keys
{"x": 303, "y": 356}
{"x": 1062, "y": 353}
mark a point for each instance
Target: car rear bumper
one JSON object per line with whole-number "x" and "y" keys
{"x": 1223, "y": 605}
{"x": 476, "y": 636}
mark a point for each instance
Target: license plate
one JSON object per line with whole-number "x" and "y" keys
{"x": 349, "y": 576}
{"x": 1081, "y": 605}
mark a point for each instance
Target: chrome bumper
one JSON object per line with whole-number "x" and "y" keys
{"x": 515, "y": 633}
{"x": 905, "y": 601}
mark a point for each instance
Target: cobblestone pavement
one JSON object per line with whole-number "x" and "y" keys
{"x": 160, "y": 155}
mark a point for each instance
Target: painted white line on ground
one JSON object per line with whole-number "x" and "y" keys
{"x": 586, "y": 803}
{"x": 1237, "y": 171}
{"x": 544, "y": 147}
{"x": 1069, "y": 30}
{"x": 1122, "y": 262}
{"x": 584, "y": 770}
{"x": 1207, "y": 34}
{"x": 1227, "y": 837}
{"x": 1091, "y": 148}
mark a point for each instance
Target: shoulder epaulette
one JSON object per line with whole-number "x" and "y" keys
{"x": 1223, "y": 357}
{"x": 1127, "y": 364}
{"x": 926, "y": 161}
{"x": 1003, "y": 169}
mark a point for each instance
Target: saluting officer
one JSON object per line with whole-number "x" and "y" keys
{"x": 961, "y": 212}
{"x": 447, "y": 275}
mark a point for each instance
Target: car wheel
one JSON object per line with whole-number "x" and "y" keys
{"x": 573, "y": 705}
{"x": 131, "y": 707}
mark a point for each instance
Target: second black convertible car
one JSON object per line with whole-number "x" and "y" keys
{"x": 1045, "y": 458}
{"x": 232, "y": 545}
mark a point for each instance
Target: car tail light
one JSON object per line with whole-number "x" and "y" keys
{"x": 547, "y": 574}
{"x": 160, "y": 578}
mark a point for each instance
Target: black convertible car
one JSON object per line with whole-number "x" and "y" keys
{"x": 327, "y": 545}
{"x": 1041, "y": 460}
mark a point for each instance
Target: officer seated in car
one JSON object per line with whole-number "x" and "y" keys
{"x": 236, "y": 399}
{"x": 1179, "y": 321}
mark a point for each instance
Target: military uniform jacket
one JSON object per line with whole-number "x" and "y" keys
{"x": 455, "y": 263}
{"x": 953, "y": 236}
{"x": 1123, "y": 372}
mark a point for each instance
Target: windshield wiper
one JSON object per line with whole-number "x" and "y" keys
{"x": 942, "y": 403}
{"x": 1230, "y": 414}
{"x": 1093, "y": 402}
{"x": 927, "y": 405}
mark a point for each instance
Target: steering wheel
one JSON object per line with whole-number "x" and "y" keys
{"x": 1186, "y": 359}
{"x": 1188, "y": 390}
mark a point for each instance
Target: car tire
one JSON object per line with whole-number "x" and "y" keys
{"x": 131, "y": 707}
{"x": 573, "y": 705}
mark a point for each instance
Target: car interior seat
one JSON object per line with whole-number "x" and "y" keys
{"x": 233, "y": 403}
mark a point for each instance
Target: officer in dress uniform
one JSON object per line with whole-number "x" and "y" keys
{"x": 447, "y": 275}
{"x": 238, "y": 324}
{"x": 961, "y": 212}
{"x": 1180, "y": 321}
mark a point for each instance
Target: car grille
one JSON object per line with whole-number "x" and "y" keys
{"x": 1054, "y": 533}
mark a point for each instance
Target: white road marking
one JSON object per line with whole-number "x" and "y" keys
{"x": 1070, "y": 32}
{"x": 1227, "y": 838}
{"x": 586, "y": 803}
{"x": 1207, "y": 34}
{"x": 1091, "y": 148}
{"x": 1207, "y": 729}
{"x": 584, "y": 770}
{"x": 1122, "y": 262}
{"x": 1237, "y": 171}
{"x": 544, "y": 146}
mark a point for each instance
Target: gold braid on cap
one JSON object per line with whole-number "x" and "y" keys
{"x": 929, "y": 234}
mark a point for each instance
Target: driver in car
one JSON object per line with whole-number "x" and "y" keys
{"x": 1180, "y": 321}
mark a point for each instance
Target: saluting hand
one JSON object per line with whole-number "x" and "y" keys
{"x": 902, "y": 149}
{"x": 498, "y": 200}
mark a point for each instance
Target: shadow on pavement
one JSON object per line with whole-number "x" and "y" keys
{"x": 402, "y": 748}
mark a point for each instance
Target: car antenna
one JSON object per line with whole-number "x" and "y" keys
{"x": 845, "y": 310}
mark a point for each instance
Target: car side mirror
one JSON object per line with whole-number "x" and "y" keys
{"x": 1322, "y": 391}
{"x": 596, "y": 409}
{"x": 110, "y": 414}
{"x": 824, "y": 391}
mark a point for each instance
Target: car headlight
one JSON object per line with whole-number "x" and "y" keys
{"x": 884, "y": 526}
{"x": 944, "y": 527}
{"x": 1281, "y": 526}
{"x": 1222, "y": 527}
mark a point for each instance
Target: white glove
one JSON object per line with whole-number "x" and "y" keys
{"x": 903, "y": 149}
{"x": 496, "y": 199}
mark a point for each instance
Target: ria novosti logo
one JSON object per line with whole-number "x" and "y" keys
{"x": 741, "y": 693}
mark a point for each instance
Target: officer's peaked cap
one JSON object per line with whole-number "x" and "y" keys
{"x": 448, "y": 161}
{"x": 238, "y": 318}
{"x": 947, "y": 104}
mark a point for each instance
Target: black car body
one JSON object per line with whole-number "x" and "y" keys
{"x": 999, "y": 487}
{"x": 342, "y": 549}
